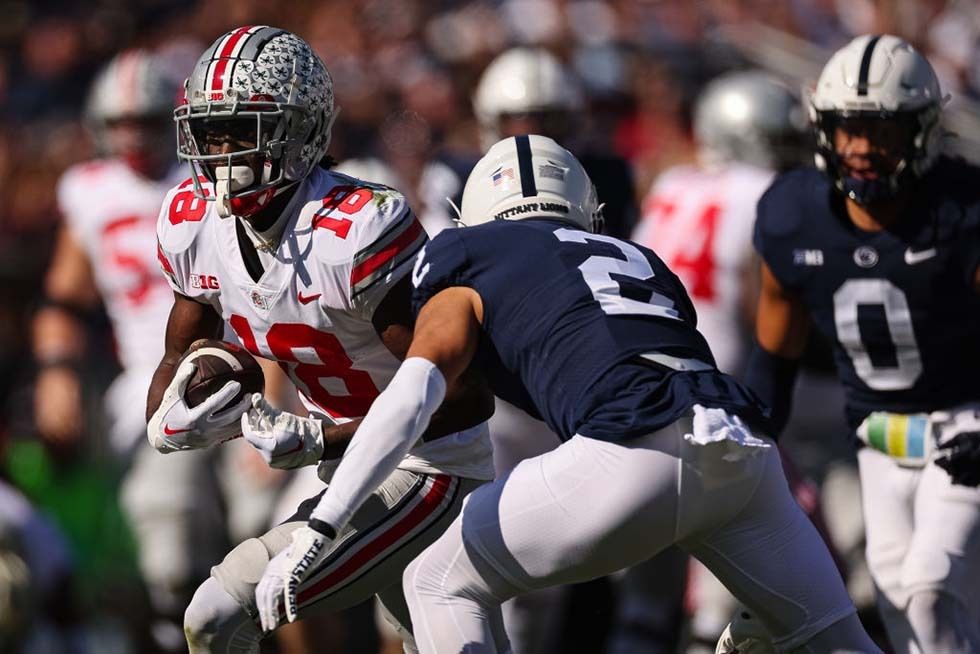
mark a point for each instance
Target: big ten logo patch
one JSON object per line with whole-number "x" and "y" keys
{"x": 206, "y": 282}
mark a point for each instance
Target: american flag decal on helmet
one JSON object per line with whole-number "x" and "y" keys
{"x": 502, "y": 175}
{"x": 398, "y": 245}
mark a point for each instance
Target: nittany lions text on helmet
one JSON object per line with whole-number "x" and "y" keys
{"x": 878, "y": 77}
{"x": 268, "y": 91}
{"x": 752, "y": 117}
{"x": 530, "y": 177}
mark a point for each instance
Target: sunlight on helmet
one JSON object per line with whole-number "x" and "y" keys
{"x": 258, "y": 98}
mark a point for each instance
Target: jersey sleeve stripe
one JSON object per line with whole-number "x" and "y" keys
{"x": 404, "y": 235}
{"x": 164, "y": 263}
{"x": 405, "y": 257}
{"x": 402, "y": 222}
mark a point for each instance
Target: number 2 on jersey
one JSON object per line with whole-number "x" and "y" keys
{"x": 598, "y": 271}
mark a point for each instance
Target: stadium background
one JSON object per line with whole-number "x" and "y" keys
{"x": 642, "y": 64}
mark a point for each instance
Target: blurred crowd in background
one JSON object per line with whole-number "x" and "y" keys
{"x": 641, "y": 64}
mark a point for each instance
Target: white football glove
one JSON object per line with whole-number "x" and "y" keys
{"x": 176, "y": 426}
{"x": 285, "y": 440}
{"x": 285, "y": 572}
{"x": 745, "y": 634}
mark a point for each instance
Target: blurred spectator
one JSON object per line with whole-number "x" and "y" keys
{"x": 404, "y": 72}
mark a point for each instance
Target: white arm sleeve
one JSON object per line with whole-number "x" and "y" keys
{"x": 394, "y": 423}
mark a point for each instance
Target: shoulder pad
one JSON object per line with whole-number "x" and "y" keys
{"x": 440, "y": 264}
{"x": 182, "y": 216}
{"x": 75, "y": 185}
{"x": 782, "y": 209}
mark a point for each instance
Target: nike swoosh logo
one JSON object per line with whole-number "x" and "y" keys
{"x": 308, "y": 298}
{"x": 171, "y": 432}
{"x": 912, "y": 257}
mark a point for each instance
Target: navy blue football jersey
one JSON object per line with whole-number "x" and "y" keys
{"x": 899, "y": 306}
{"x": 590, "y": 333}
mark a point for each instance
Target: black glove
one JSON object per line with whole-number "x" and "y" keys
{"x": 960, "y": 457}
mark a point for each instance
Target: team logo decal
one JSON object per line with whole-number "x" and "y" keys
{"x": 259, "y": 300}
{"x": 866, "y": 256}
{"x": 552, "y": 170}
{"x": 808, "y": 257}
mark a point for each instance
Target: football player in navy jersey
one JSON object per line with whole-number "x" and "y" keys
{"x": 597, "y": 337}
{"x": 880, "y": 247}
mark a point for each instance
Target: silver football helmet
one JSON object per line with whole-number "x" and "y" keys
{"x": 265, "y": 89}
{"x": 751, "y": 117}
{"x": 523, "y": 81}
{"x": 530, "y": 177}
{"x": 880, "y": 77}
{"x": 133, "y": 85}
{"x": 127, "y": 110}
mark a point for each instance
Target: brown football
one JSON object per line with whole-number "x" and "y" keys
{"x": 218, "y": 363}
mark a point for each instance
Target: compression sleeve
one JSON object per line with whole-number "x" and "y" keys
{"x": 772, "y": 378}
{"x": 396, "y": 420}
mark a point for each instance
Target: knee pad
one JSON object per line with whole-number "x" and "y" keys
{"x": 215, "y": 623}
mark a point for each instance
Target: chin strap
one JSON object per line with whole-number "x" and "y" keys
{"x": 229, "y": 179}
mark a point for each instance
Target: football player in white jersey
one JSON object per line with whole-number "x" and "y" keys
{"x": 309, "y": 268}
{"x": 106, "y": 250}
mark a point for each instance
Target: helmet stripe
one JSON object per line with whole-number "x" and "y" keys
{"x": 528, "y": 187}
{"x": 127, "y": 73}
{"x": 862, "y": 87}
{"x": 232, "y": 43}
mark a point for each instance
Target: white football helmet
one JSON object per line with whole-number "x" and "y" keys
{"x": 881, "y": 77}
{"x": 523, "y": 81}
{"x": 268, "y": 88}
{"x": 530, "y": 177}
{"x": 752, "y": 117}
{"x": 133, "y": 85}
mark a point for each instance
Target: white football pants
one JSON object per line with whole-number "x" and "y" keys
{"x": 590, "y": 507}
{"x": 923, "y": 550}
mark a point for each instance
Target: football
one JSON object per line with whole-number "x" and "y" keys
{"x": 218, "y": 363}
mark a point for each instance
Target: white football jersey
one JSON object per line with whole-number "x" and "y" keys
{"x": 346, "y": 243}
{"x": 111, "y": 212}
{"x": 699, "y": 221}
{"x": 436, "y": 187}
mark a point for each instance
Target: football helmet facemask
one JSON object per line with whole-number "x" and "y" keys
{"x": 530, "y": 177}
{"x": 877, "y": 78}
{"x": 255, "y": 118}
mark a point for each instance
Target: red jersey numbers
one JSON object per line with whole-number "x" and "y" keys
{"x": 318, "y": 364}
{"x": 122, "y": 241}
{"x": 186, "y": 206}
{"x": 685, "y": 238}
{"x": 346, "y": 199}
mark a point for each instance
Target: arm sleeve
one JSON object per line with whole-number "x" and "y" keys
{"x": 773, "y": 379}
{"x": 396, "y": 420}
